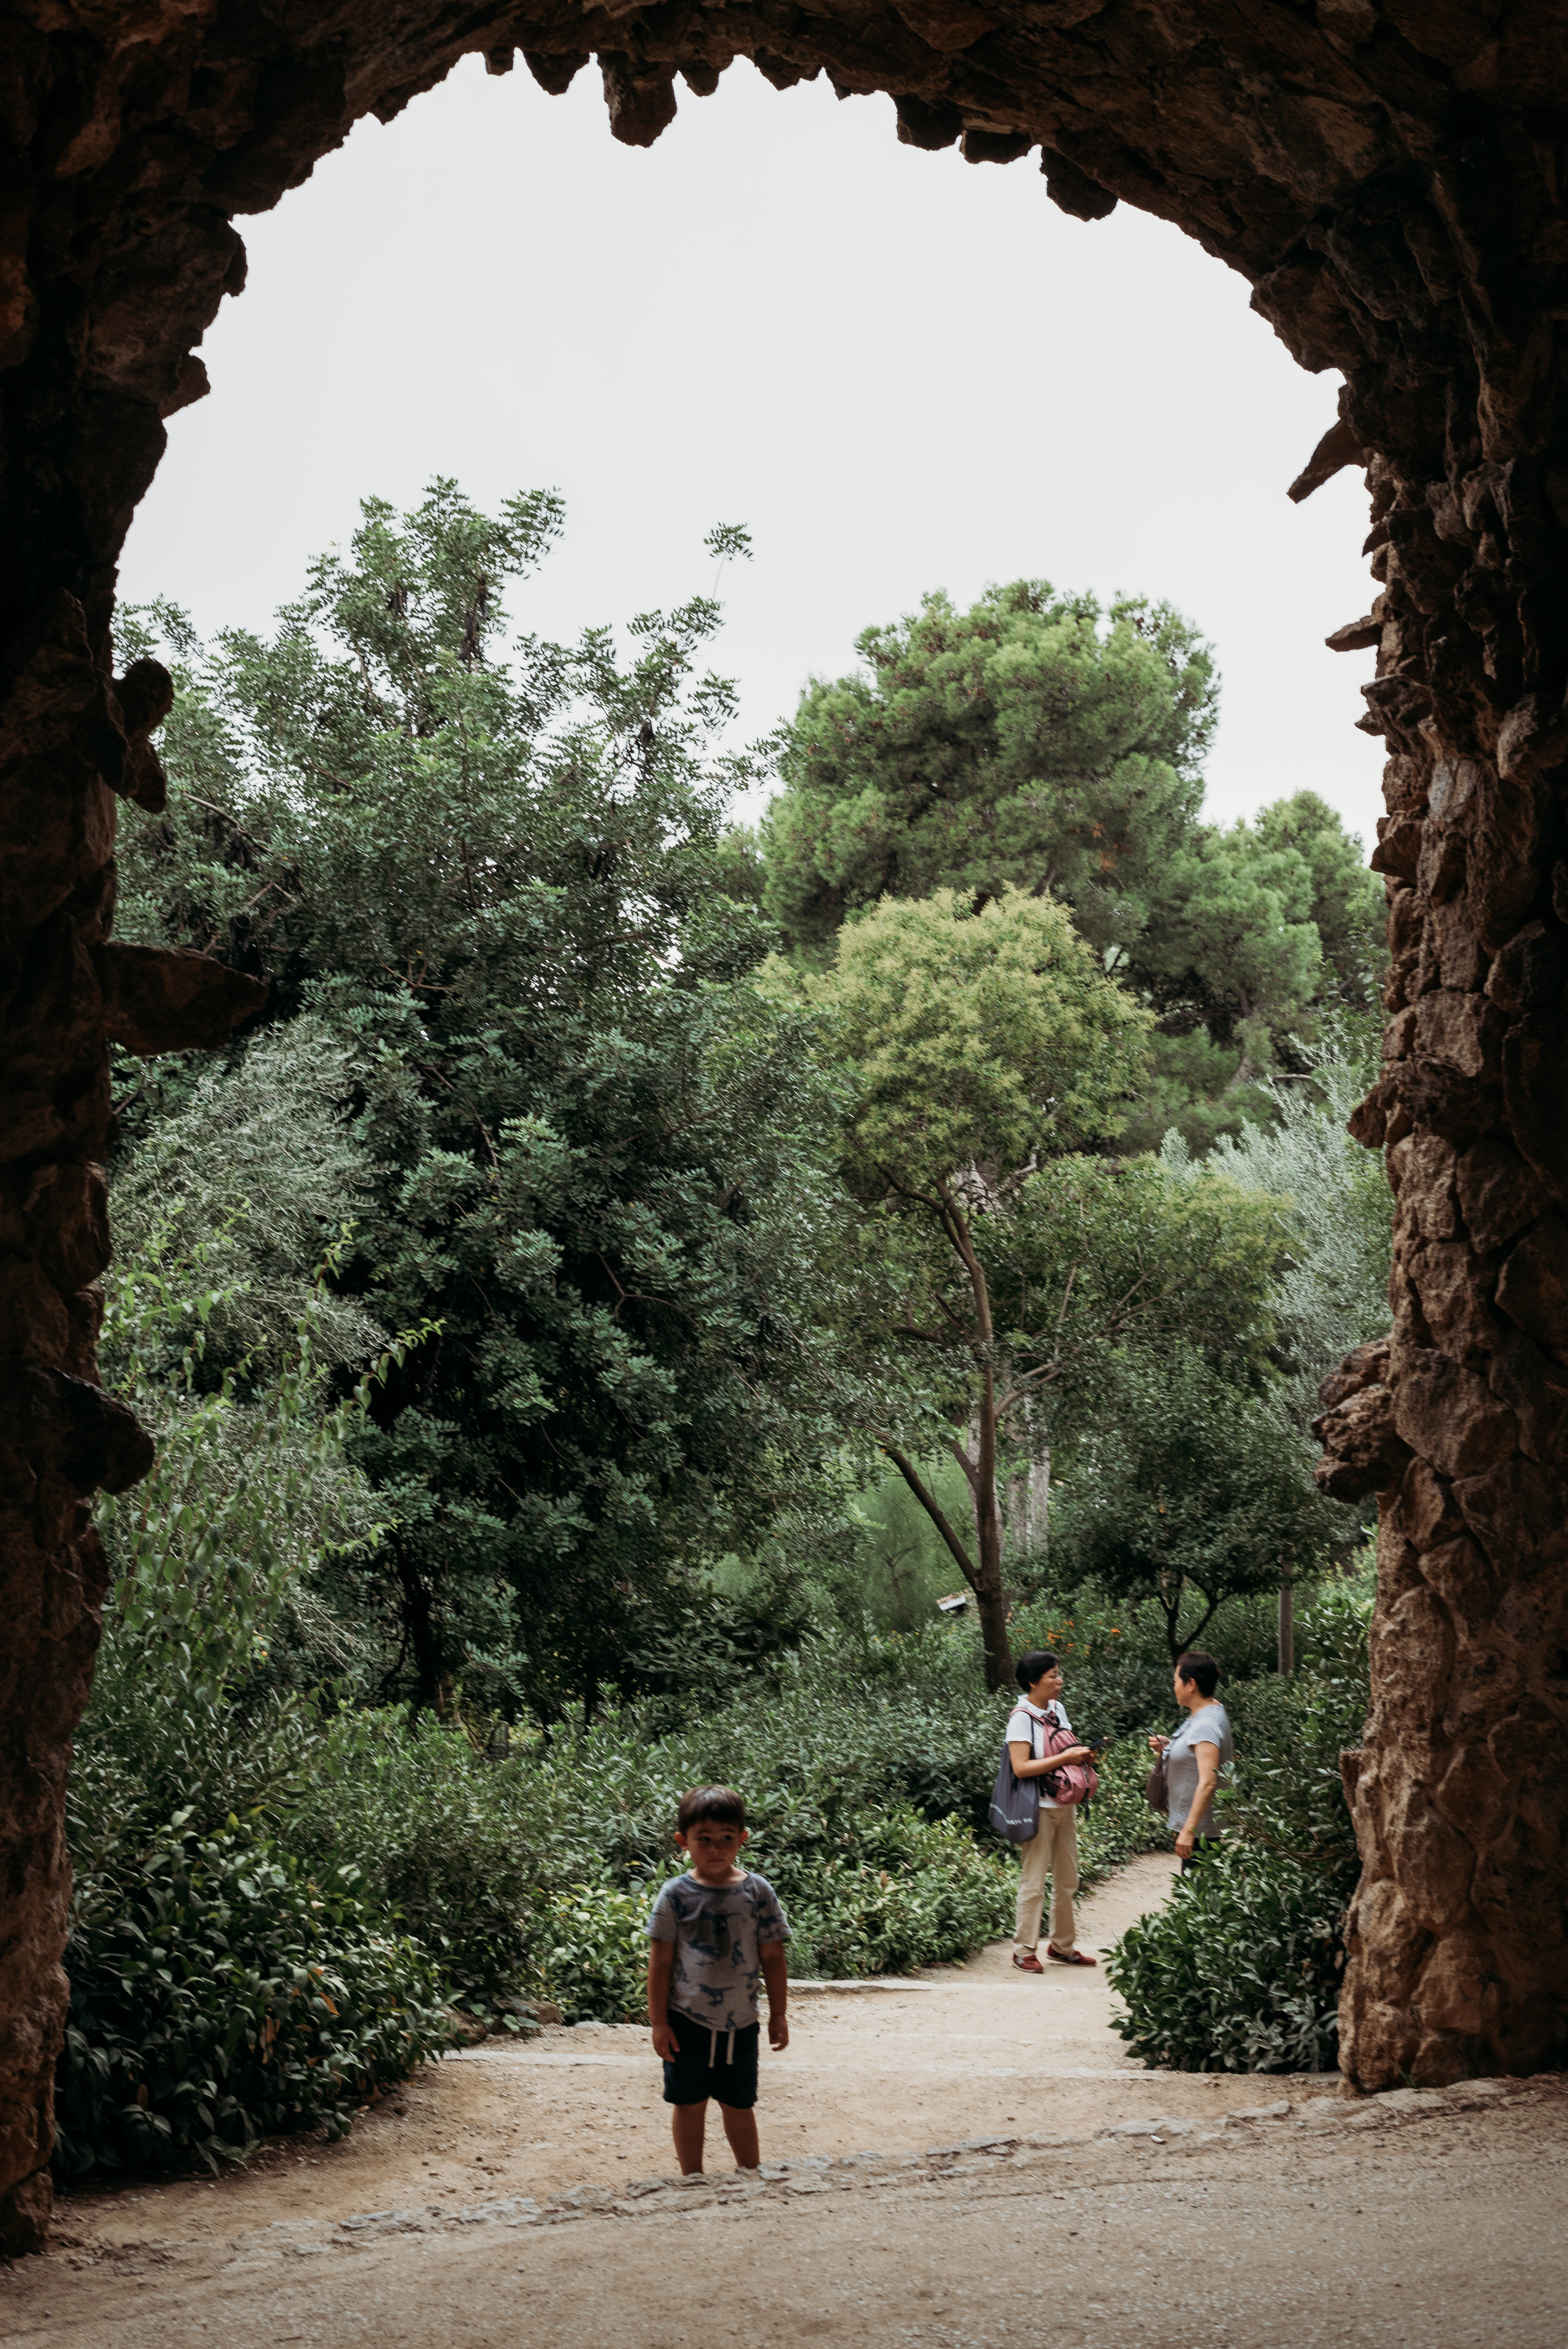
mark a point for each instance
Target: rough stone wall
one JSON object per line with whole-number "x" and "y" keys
{"x": 1458, "y": 1935}
{"x": 1388, "y": 175}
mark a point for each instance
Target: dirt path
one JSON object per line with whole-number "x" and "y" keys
{"x": 1315, "y": 2219}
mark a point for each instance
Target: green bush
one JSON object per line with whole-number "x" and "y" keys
{"x": 906, "y": 1892}
{"x": 910, "y": 1893}
{"x": 592, "y": 1954}
{"x": 1240, "y": 1971}
{"x": 222, "y": 1994}
{"x": 1120, "y": 1821}
{"x": 441, "y": 1838}
{"x": 867, "y": 1774}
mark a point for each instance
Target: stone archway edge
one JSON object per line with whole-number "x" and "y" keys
{"x": 1388, "y": 175}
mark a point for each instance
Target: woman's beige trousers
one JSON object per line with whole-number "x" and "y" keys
{"x": 1053, "y": 1849}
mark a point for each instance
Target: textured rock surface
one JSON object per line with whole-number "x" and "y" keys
{"x": 1388, "y": 175}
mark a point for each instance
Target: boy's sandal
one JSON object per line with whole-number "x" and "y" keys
{"x": 1069, "y": 1957}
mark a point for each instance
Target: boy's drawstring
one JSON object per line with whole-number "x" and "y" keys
{"x": 712, "y": 2038}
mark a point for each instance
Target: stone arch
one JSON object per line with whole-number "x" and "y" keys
{"x": 1389, "y": 176}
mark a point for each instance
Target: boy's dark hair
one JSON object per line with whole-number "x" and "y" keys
{"x": 1201, "y": 1669}
{"x": 1035, "y": 1665}
{"x": 720, "y": 1803}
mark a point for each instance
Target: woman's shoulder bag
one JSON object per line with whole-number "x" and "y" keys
{"x": 1157, "y": 1785}
{"x": 1015, "y": 1803}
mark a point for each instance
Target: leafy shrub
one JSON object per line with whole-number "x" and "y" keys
{"x": 222, "y": 1993}
{"x": 909, "y": 1892}
{"x": 865, "y": 1772}
{"x": 912, "y": 1893}
{"x": 1240, "y": 1971}
{"x": 1120, "y": 1821}
{"x": 1289, "y": 1795}
{"x": 441, "y": 1840}
{"x": 593, "y": 1956}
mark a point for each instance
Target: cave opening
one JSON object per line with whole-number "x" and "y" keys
{"x": 1389, "y": 178}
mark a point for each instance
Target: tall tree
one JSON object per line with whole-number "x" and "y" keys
{"x": 1017, "y": 744}
{"x": 597, "y": 1154}
{"x": 1036, "y": 741}
{"x": 982, "y": 1042}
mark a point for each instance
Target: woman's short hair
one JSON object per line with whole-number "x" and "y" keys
{"x": 1201, "y": 1670}
{"x": 1035, "y": 1665}
{"x": 722, "y": 1804}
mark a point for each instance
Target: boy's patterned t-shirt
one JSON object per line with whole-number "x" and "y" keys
{"x": 718, "y": 1931}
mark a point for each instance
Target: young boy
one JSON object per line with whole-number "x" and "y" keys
{"x": 712, "y": 1934}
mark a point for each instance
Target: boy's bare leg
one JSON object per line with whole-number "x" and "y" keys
{"x": 740, "y": 2128}
{"x": 690, "y": 2125}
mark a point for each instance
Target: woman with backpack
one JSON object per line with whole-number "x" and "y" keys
{"x": 1041, "y": 1744}
{"x": 1193, "y": 1759}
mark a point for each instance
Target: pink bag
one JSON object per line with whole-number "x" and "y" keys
{"x": 1075, "y": 1782}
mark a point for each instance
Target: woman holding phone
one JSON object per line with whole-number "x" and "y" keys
{"x": 1052, "y": 1849}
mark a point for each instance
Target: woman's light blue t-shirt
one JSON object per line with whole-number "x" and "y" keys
{"x": 1210, "y": 1725}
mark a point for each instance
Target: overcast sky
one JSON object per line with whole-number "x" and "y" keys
{"x": 901, "y": 372}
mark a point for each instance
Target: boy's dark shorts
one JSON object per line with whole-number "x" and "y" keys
{"x": 692, "y": 2078}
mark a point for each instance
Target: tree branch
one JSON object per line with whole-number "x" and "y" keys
{"x": 934, "y": 1510}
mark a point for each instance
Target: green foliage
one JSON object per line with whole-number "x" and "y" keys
{"x": 593, "y": 1149}
{"x": 1013, "y": 745}
{"x": 981, "y": 1042}
{"x": 906, "y": 1892}
{"x": 1291, "y": 1797}
{"x": 1192, "y": 1491}
{"x": 215, "y": 1553}
{"x": 894, "y": 1566}
{"x": 218, "y": 1994}
{"x": 984, "y": 1038}
{"x": 592, "y": 1954}
{"x": 1240, "y": 1971}
{"x": 249, "y": 1167}
{"x": 1099, "y": 1262}
{"x": 866, "y": 1771}
{"x": 1336, "y": 1216}
{"x": 218, "y": 1991}
{"x": 1034, "y": 743}
{"x": 430, "y": 1829}
{"x": 251, "y": 1487}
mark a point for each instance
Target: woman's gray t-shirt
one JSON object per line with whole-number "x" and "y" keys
{"x": 1210, "y": 1725}
{"x": 718, "y": 1931}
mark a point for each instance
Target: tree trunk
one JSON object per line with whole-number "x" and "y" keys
{"x": 988, "y": 1588}
{"x": 1029, "y": 1506}
{"x": 981, "y": 1471}
{"x": 990, "y": 1600}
